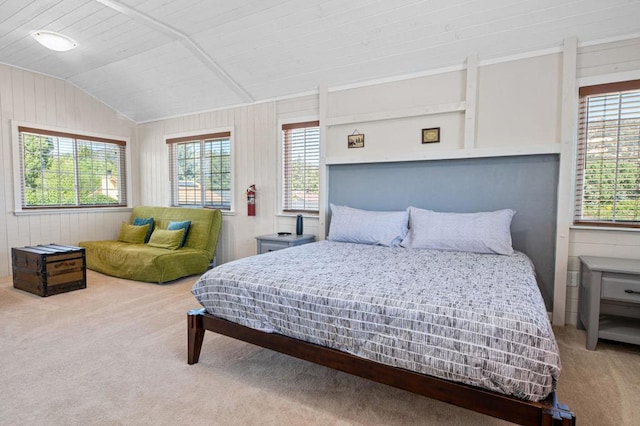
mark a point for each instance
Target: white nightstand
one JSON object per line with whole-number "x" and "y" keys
{"x": 272, "y": 242}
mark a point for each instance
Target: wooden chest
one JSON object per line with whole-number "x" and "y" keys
{"x": 48, "y": 269}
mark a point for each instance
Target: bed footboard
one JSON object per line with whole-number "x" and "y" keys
{"x": 544, "y": 413}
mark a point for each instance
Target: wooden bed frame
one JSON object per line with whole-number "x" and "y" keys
{"x": 547, "y": 412}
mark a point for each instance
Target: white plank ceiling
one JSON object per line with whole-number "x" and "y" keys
{"x": 152, "y": 59}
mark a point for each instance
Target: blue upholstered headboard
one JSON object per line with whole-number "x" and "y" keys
{"x": 527, "y": 184}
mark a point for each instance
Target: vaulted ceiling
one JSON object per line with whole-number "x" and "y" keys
{"x": 152, "y": 59}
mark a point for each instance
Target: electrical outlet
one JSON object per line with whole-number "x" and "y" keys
{"x": 573, "y": 279}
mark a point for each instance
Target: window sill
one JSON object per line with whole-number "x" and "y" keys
{"x": 294, "y": 215}
{"x": 603, "y": 228}
{"x": 35, "y": 212}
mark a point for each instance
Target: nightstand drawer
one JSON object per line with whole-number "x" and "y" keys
{"x": 273, "y": 242}
{"x": 267, "y": 246}
{"x": 622, "y": 287}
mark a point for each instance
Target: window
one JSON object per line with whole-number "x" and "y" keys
{"x": 608, "y": 159}
{"x": 301, "y": 166}
{"x": 200, "y": 168}
{"x": 65, "y": 170}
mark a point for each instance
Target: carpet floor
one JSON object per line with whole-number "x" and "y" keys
{"x": 115, "y": 354}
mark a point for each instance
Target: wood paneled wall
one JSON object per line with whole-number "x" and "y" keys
{"x": 252, "y": 131}
{"x": 255, "y": 156}
{"x": 42, "y": 100}
{"x": 38, "y": 99}
{"x": 596, "y": 64}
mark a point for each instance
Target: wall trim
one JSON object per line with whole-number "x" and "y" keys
{"x": 609, "y": 78}
{"x": 553, "y": 148}
{"x": 392, "y": 115}
{"x": 566, "y": 178}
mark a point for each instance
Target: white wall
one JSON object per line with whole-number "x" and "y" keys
{"x": 517, "y": 107}
{"x": 360, "y": 109}
{"x": 506, "y": 108}
{"x": 255, "y": 157}
{"x": 502, "y": 108}
{"x": 519, "y": 102}
{"x": 599, "y": 64}
{"x": 379, "y": 111}
{"x": 42, "y": 100}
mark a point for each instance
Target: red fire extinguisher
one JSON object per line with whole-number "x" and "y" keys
{"x": 251, "y": 201}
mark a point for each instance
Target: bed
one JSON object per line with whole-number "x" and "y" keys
{"x": 462, "y": 326}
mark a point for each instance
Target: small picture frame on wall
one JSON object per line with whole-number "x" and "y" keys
{"x": 431, "y": 135}
{"x": 355, "y": 140}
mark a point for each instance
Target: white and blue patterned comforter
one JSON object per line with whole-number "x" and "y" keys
{"x": 473, "y": 318}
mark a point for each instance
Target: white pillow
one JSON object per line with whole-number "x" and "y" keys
{"x": 367, "y": 227}
{"x": 484, "y": 232}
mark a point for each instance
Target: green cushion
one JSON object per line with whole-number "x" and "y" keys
{"x": 139, "y": 221}
{"x": 168, "y": 239}
{"x": 132, "y": 233}
{"x": 142, "y": 262}
{"x": 180, "y": 225}
{"x": 203, "y": 231}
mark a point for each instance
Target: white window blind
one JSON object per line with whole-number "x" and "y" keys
{"x": 301, "y": 166}
{"x": 65, "y": 170}
{"x": 608, "y": 157}
{"x": 200, "y": 170}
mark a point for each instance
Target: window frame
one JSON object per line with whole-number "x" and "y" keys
{"x": 19, "y": 209}
{"x": 593, "y": 88}
{"x": 281, "y": 172}
{"x": 195, "y": 136}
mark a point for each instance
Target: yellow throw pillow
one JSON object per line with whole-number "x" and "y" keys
{"x": 132, "y": 233}
{"x": 163, "y": 238}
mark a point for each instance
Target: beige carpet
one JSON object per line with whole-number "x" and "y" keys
{"x": 115, "y": 354}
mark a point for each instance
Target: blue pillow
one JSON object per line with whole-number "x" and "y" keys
{"x": 174, "y": 226}
{"x": 139, "y": 221}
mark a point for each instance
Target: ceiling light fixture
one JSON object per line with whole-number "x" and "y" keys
{"x": 54, "y": 41}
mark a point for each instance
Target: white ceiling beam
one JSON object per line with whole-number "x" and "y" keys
{"x": 184, "y": 39}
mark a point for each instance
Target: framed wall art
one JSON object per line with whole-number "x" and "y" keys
{"x": 355, "y": 140}
{"x": 431, "y": 135}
